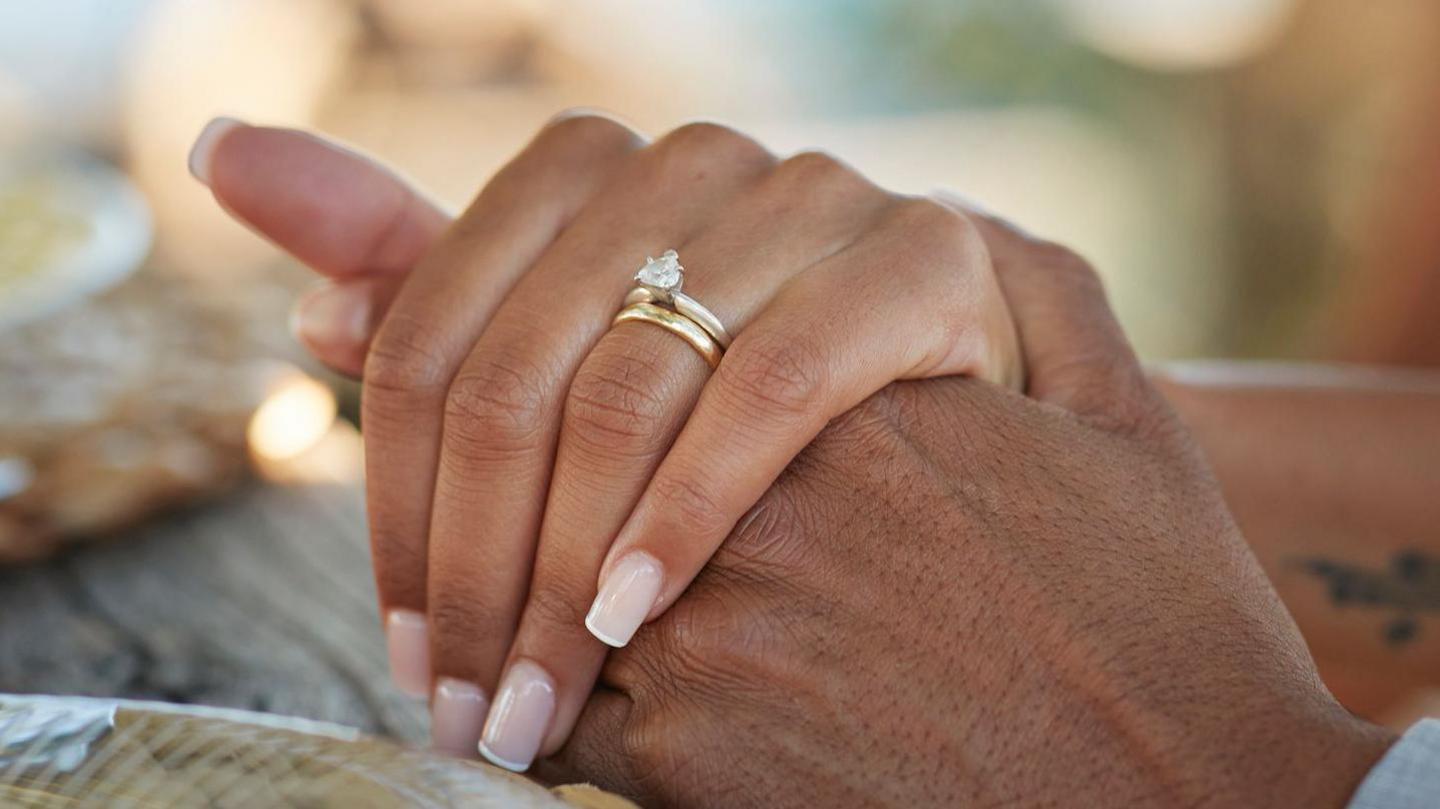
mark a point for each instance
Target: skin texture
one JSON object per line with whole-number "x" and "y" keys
{"x": 962, "y": 596}
{"x": 1364, "y": 501}
{"x": 866, "y": 498}
{"x": 520, "y": 448}
{"x": 1073, "y": 649}
{"x": 1331, "y": 474}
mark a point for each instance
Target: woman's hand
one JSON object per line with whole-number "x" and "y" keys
{"x": 533, "y": 470}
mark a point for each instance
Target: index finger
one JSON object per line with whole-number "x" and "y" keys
{"x": 345, "y": 215}
{"x": 334, "y": 209}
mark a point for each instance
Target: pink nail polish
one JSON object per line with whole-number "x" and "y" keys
{"x": 457, "y": 713}
{"x": 408, "y": 635}
{"x": 521, "y": 714}
{"x": 203, "y": 150}
{"x": 333, "y": 315}
{"x": 625, "y": 599}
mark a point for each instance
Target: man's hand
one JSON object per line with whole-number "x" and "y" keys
{"x": 962, "y": 596}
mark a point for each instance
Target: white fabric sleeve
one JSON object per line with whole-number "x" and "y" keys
{"x": 1408, "y": 777}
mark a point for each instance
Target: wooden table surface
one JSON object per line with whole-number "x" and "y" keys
{"x": 262, "y": 600}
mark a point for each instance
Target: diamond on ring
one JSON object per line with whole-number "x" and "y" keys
{"x": 664, "y": 276}
{"x": 659, "y": 281}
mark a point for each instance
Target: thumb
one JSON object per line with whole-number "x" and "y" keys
{"x": 596, "y": 751}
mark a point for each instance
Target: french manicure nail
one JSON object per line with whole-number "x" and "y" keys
{"x": 457, "y": 713}
{"x": 408, "y": 636}
{"x": 519, "y": 718}
{"x": 335, "y": 314}
{"x": 625, "y": 599}
{"x": 204, "y": 148}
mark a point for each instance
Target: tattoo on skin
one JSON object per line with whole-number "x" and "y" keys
{"x": 1408, "y": 586}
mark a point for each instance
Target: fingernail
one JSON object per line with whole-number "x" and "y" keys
{"x": 626, "y": 597}
{"x": 457, "y": 713}
{"x": 408, "y": 636}
{"x": 204, "y": 148}
{"x": 519, "y": 718}
{"x": 335, "y": 314}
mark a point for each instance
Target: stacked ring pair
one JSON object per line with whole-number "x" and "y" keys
{"x": 657, "y": 299}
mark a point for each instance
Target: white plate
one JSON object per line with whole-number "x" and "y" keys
{"x": 70, "y": 226}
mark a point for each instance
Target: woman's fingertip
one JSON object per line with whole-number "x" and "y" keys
{"x": 457, "y": 711}
{"x": 203, "y": 152}
{"x": 519, "y": 717}
{"x": 334, "y": 316}
{"x": 626, "y": 597}
{"x": 407, "y": 637}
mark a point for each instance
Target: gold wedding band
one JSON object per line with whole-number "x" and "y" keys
{"x": 675, "y": 323}
{"x": 689, "y": 307}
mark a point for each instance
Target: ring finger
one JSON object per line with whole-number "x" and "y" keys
{"x": 442, "y": 306}
{"x": 628, "y": 401}
{"x": 503, "y": 408}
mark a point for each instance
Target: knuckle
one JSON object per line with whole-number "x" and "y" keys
{"x": 555, "y": 609}
{"x": 738, "y": 629}
{"x": 938, "y": 231}
{"x": 701, "y": 136}
{"x": 680, "y": 749}
{"x": 707, "y": 642}
{"x": 583, "y": 127}
{"x": 783, "y": 377}
{"x": 1060, "y": 264}
{"x": 615, "y": 403}
{"x": 765, "y": 540}
{"x": 458, "y": 617}
{"x": 817, "y": 172}
{"x": 648, "y": 746}
{"x": 406, "y": 358}
{"x": 494, "y": 407}
{"x": 399, "y": 568}
{"x": 704, "y": 141}
{"x": 689, "y": 505}
{"x": 818, "y": 181}
{"x": 695, "y": 634}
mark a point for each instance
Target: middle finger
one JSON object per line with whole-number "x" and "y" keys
{"x": 628, "y": 401}
{"x": 503, "y": 407}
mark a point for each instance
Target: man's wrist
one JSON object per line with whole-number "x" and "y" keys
{"x": 1326, "y": 763}
{"x": 1408, "y": 776}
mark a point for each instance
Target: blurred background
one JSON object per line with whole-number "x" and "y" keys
{"x": 1253, "y": 178}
